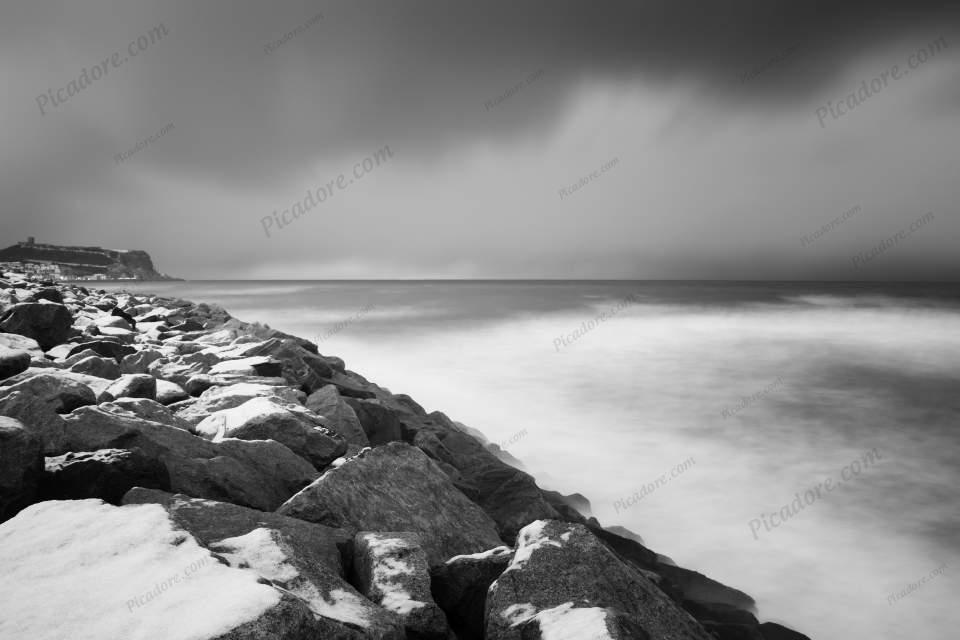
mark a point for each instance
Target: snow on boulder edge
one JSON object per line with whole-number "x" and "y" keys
{"x": 86, "y": 569}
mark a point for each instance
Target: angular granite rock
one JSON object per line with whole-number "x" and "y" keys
{"x": 47, "y": 293}
{"x": 48, "y": 323}
{"x": 60, "y": 393}
{"x": 351, "y": 385}
{"x": 259, "y": 474}
{"x": 254, "y": 366}
{"x": 106, "y": 348}
{"x": 140, "y": 361}
{"x": 218, "y": 398}
{"x": 21, "y": 467}
{"x": 390, "y": 569}
{"x": 17, "y": 342}
{"x": 698, "y": 589}
{"x": 268, "y": 553}
{"x": 106, "y": 474}
{"x": 301, "y": 368}
{"x": 269, "y": 418}
{"x": 128, "y": 572}
{"x": 12, "y": 362}
{"x": 510, "y": 496}
{"x": 327, "y": 402}
{"x": 381, "y": 424}
{"x": 97, "y": 366}
{"x": 170, "y": 392}
{"x": 38, "y": 401}
{"x": 396, "y": 487}
{"x": 196, "y": 384}
{"x": 131, "y": 385}
{"x": 299, "y": 556}
{"x": 460, "y": 587}
{"x": 562, "y": 576}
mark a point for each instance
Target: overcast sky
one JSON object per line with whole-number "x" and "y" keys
{"x": 719, "y": 120}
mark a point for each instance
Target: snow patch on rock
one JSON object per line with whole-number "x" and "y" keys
{"x": 260, "y": 551}
{"x": 564, "y": 622}
{"x": 387, "y": 569}
{"x": 264, "y": 551}
{"x": 530, "y": 539}
{"x": 483, "y": 555}
{"x": 86, "y": 569}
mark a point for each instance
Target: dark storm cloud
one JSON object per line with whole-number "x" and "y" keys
{"x": 416, "y": 74}
{"x": 253, "y": 117}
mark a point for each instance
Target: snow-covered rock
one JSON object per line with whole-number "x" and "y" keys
{"x": 391, "y": 570}
{"x": 564, "y": 583}
{"x": 301, "y": 557}
{"x": 87, "y": 570}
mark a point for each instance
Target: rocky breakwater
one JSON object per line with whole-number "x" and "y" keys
{"x": 169, "y": 471}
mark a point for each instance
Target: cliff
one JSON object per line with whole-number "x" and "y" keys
{"x": 84, "y": 262}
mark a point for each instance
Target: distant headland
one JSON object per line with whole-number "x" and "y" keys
{"x": 80, "y": 263}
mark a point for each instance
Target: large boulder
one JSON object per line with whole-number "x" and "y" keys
{"x": 106, "y": 474}
{"x": 510, "y": 496}
{"x": 104, "y": 347}
{"x": 267, "y": 552}
{"x": 700, "y": 589}
{"x": 147, "y": 409}
{"x": 170, "y": 392}
{"x": 269, "y": 418}
{"x": 352, "y": 385}
{"x": 60, "y": 393}
{"x": 97, "y": 366}
{"x": 563, "y": 577}
{"x": 396, "y": 488}
{"x": 38, "y": 400}
{"x": 17, "y": 342}
{"x": 47, "y": 293}
{"x": 301, "y": 368}
{"x": 139, "y": 361}
{"x": 327, "y": 402}
{"x": 725, "y": 622}
{"x": 218, "y": 398}
{"x": 210, "y": 520}
{"x": 48, "y": 323}
{"x": 381, "y": 424}
{"x": 303, "y": 558}
{"x": 196, "y": 383}
{"x": 259, "y": 474}
{"x": 460, "y": 588}
{"x": 21, "y": 467}
{"x": 162, "y": 584}
{"x": 131, "y": 385}
{"x": 254, "y": 366}
{"x": 390, "y": 568}
{"x": 111, "y": 321}
{"x": 12, "y": 362}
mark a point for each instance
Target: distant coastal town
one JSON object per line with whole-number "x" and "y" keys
{"x": 63, "y": 263}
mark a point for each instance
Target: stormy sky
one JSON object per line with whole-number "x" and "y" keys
{"x": 645, "y": 139}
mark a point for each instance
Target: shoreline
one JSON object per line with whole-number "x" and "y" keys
{"x": 218, "y": 381}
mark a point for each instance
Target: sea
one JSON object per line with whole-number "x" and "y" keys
{"x": 799, "y": 441}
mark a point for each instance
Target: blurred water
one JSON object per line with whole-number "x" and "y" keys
{"x": 832, "y": 371}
